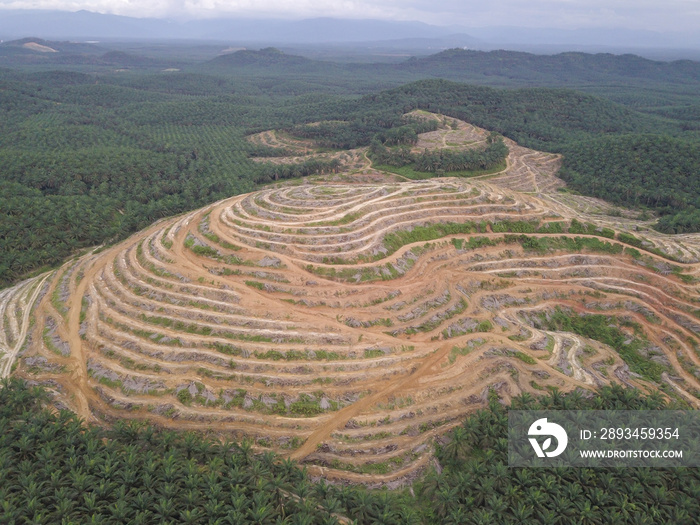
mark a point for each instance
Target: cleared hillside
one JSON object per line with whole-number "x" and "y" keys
{"x": 349, "y": 320}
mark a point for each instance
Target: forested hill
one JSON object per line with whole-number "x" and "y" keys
{"x": 602, "y": 73}
{"x": 659, "y": 172}
{"x": 55, "y": 470}
{"x": 564, "y": 69}
{"x": 627, "y": 79}
{"x": 43, "y": 54}
{"x": 610, "y": 151}
{"x": 90, "y": 158}
{"x": 537, "y": 117}
{"x": 268, "y": 58}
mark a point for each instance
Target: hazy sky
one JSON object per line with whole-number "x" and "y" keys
{"x": 660, "y": 15}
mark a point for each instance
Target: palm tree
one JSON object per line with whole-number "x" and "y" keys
{"x": 214, "y": 507}
{"x": 164, "y": 508}
{"x": 483, "y": 517}
{"x": 587, "y": 513}
{"x": 496, "y": 503}
{"x": 323, "y": 489}
{"x": 276, "y": 485}
{"x": 522, "y": 513}
{"x": 303, "y": 518}
{"x": 64, "y": 505}
{"x": 190, "y": 516}
{"x": 407, "y": 516}
{"x": 332, "y": 505}
{"x": 501, "y": 475}
{"x": 459, "y": 444}
{"x": 547, "y": 517}
{"x": 457, "y": 516}
{"x": 563, "y": 507}
{"x": 119, "y": 511}
{"x": 288, "y": 468}
{"x": 245, "y": 450}
{"x": 260, "y": 515}
{"x": 328, "y": 520}
{"x": 256, "y": 471}
{"x": 444, "y": 500}
{"x": 432, "y": 484}
{"x": 362, "y": 503}
{"x": 236, "y": 517}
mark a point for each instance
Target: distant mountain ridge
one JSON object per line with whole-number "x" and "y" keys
{"x": 83, "y": 24}
{"x": 34, "y": 51}
{"x": 264, "y": 57}
{"x": 563, "y": 67}
{"x": 28, "y": 44}
{"x": 466, "y": 65}
{"x": 504, "y": 68}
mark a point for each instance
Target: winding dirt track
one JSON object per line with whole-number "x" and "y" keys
{"x": 23, "y": 295}
{"x": 332, "y": 321}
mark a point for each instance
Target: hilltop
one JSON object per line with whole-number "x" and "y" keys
{"x": 349, "y": 319}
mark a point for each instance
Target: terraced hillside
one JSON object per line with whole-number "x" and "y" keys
{"x": 349, "y": 320}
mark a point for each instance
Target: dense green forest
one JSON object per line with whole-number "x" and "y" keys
{"x": 383, "y": 126}
{"x": 659, "y": 172}
{"x": 89, "y": 158}
{"x": 442, "y": 161}
{"x": 85, "y": 162}
{"x": 89, "y": 154}
{"x": 476, "y": 486}
{"x": 602, "y": 73}
{"x": 53, "y": 469}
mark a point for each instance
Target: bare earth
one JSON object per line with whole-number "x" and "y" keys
{"x": 282, "y": 315}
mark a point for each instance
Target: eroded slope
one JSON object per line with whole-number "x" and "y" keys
{"x": 349, "y": 324}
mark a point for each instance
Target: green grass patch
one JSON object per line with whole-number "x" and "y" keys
{"x": 413, "y": 174}
{"x": 458, "y": 351}
{"x": 605, "y": 329}
{"x": 345, "y": 219}
{"x": 218, "y": 240}
{"x": 394, "y": 241}
{"x": 525, "y": 358}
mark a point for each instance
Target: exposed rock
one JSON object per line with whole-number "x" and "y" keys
{"x": 141, "y": 385}
{"x": 501, "y": 322}
{"x": 463, "y": 326}
{"x": 269, "y": 262}
{"x": 56, "y": 341}
{"x": 268, "y": 401}
{"x": 42, "y": 364}
{"x": 209, "y": 396}
{"x": 623, "y": 374}
{"x": 352, "y": 322}
{"x": 163, "y": 409}
{"x": 420, "y": 448}
{"x": 496, "y": 302}
{"x": 98, "y": 371}
{"x": 541, "y": 344}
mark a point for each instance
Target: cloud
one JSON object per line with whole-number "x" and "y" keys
{"x": 669, "y": 15}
